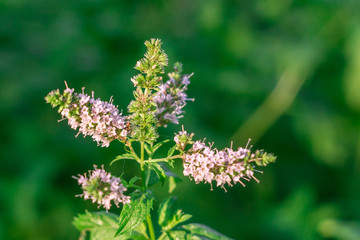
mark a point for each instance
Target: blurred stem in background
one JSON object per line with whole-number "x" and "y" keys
{"x": 298, "y": 69}
{"x": 281, "y": 98}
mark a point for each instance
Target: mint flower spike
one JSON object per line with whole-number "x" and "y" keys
{"x": 171, "y": 97}
{"x": 102, "y": 188}
{"x": 99, "y": 119}
{"x": 153, "y": 63}
{"x": 204, "y": 164}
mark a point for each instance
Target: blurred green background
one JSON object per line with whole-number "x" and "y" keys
{"x": 285, "y": 73}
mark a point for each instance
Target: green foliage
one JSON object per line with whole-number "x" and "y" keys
{"x": 169, "y": 215}
{"x": 123, "y": 157}
{"x": 134, "y": 214}
{"x": 163, "y": 172}
{"x": 201, "y": 231}
{"x": 151, "y": 148}
{"x": 103, "y": 226}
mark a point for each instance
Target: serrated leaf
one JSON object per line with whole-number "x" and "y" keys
{"x": 93, "y": 220}
{"x": 103, "y": 226}
{"x": 123, "y": 157}
{"x": 133, "y": 214}
{"x": 205, "y": 231}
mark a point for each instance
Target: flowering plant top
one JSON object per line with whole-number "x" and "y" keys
{"x": 157, "y": 103}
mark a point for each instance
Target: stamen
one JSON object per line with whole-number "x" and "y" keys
{"x": 255, "y": 178}
{"x": 248, "y": 143}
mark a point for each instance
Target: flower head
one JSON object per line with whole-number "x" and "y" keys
{"x": 227, "y": 166}
{"x": 102, "y": 188}
{"x": 182, "y": 139}
{"x": 99, "y": 119}
{"x": 171, "y": 97}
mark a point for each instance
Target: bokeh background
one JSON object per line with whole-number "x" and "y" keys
{"x": 285, "y": 73}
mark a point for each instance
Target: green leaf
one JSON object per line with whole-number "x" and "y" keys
{"x": 172, "y": 184}
{"x": 123, "y": 157}
{"x": 148, "y": 150}
{"x": 156, "y": 147}
{"x": 152, "y": 149}
{"x": 173, "y": 235}
{"x": 168, "y": 172}
{"x": 151, "y": 177}
{"x": 196, "y": 237}
{"x": 166, "y": 211}
{"x": 163, "y": 172}
{"x": 93, "y": 220}
{"x": 132, "y": 181}
{"x": 205, "y": 231}
{"x": 103, "y": 226}
{"x": 171, "y": 151}
{"x": 133, "y": 214}
{"x": 169, "y": 215}
{"x": 160, "y": 172}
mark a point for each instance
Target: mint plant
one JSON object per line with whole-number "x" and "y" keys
{"x": 157, "y": 103}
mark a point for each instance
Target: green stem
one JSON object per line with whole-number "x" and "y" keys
{"x": 151, "y": 227}
{"x": 162, "y": 159}
{"x": 142, "y": 152}
{"x": 142, "y": 165}
{"x": 148, "y": 217}
{"x": 134, "y": 153}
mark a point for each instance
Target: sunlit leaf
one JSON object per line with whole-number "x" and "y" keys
{"x": 133, "y": 214}
{"x": 103, "y": 226}
{"x": 205, "y": 231}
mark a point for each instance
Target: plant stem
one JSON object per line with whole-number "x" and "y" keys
{"x": 134, "y": 153}
{"x": 162, "y": 159}
{"x": 151, "y": 227}
{"x": 142, "y": 152}
{"x": 148, "y": 217}
{"x": 142, "y": 165}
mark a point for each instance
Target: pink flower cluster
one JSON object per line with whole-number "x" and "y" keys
{"x": 171, "y": 98}
{"x": 102, "y": 188}
{"x": 204, "y": 164}
{"x": 96, "y": 118}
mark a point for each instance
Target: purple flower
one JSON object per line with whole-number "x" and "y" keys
{"x": 99, "y": 119}
{"x": 171, "y": 98}
{"x": 204, "y": 164}
{"x": 102, "y": 188}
